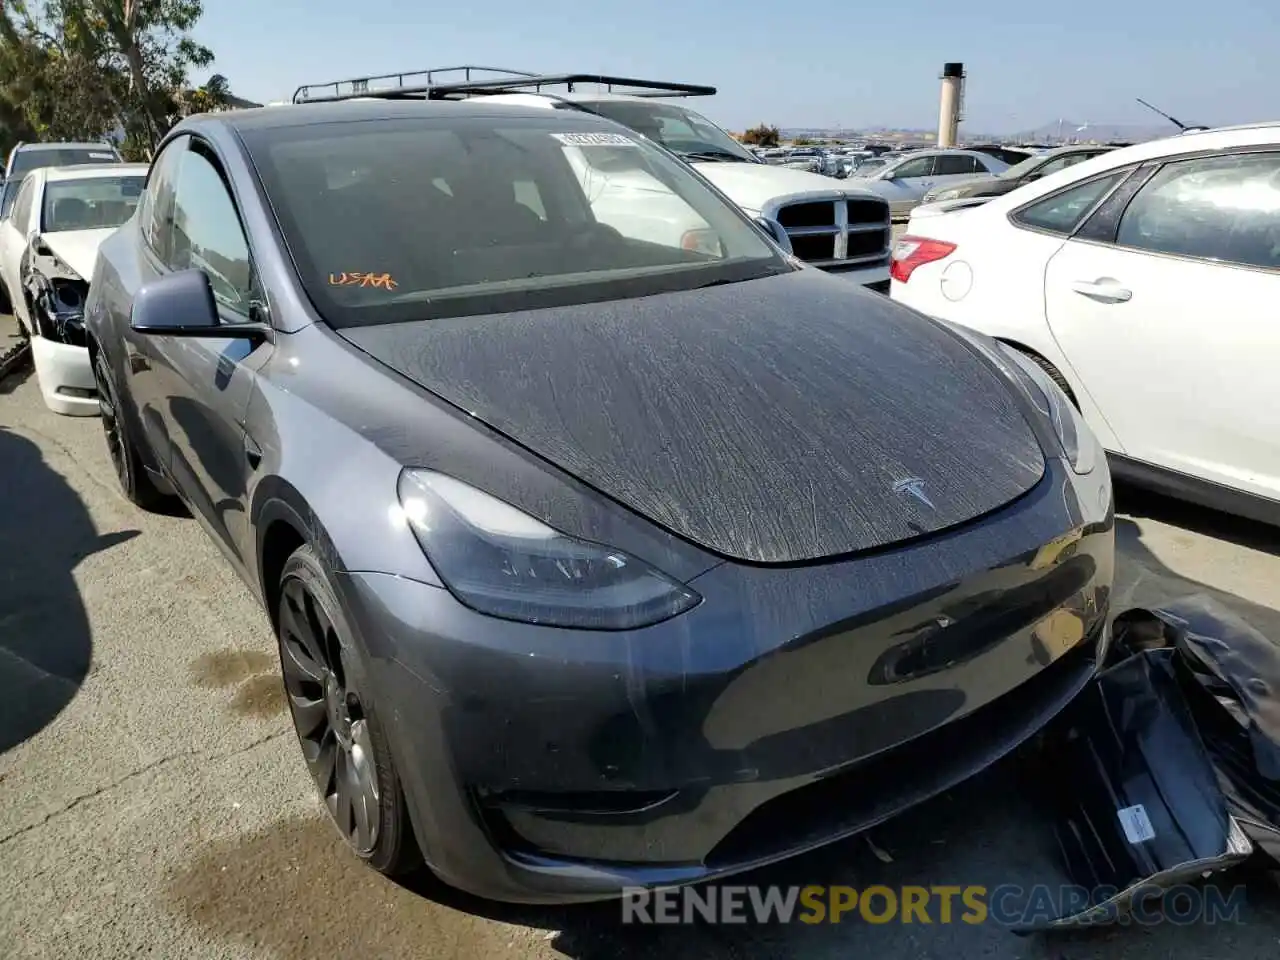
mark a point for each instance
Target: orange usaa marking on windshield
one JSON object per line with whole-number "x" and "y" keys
{"x": 381, "y": 280}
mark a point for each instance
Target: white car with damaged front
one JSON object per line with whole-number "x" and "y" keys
{"x": 48, "y": 245}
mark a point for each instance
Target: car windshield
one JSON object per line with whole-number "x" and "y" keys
{"x": 407, "y": 219}
{"x": 1023, "y": 167}
{"x": 678, "y": 129}
{"x": 95, "y": 203}
{"x": 27, "y": 160}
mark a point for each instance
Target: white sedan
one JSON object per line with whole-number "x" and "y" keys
{"x": 1145, "y": 281}
{"x": 48, "y": 244}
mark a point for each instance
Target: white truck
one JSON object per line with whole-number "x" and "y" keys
{"x": 827, "y": 223}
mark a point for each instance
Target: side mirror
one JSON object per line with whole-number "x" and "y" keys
{"x": 777, "y": 233}
{"x": 181, "y": 304}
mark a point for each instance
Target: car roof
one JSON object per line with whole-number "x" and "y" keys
{"x": 1218, "y": 138}
{"x": 305, "y": 114}
{"x": 92, "y": 171}
{"x": 934, "y": 151}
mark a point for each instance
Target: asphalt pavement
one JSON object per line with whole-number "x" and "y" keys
{"x": 153, "y": 801}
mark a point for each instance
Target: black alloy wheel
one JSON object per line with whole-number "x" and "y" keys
{"x": 338, "y": 730}
{"x": 134, "y": 482}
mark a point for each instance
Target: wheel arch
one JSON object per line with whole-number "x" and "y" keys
{"x": 284, "y": 521}
{"x": 1041, "y": 358}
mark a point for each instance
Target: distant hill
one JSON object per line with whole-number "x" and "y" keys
{"x": 1131, "y": 132}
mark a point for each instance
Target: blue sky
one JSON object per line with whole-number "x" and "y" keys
{"x": 821, "y": 63}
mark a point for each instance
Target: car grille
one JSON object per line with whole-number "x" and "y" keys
{"x": 837, "y": 233}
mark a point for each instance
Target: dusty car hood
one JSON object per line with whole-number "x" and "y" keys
{"x": 774, "y": 421}
{"x": 78, "y": 248}
{"x": 752, "y": 185}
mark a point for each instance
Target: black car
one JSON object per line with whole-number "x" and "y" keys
{"x": 601, "y": 552}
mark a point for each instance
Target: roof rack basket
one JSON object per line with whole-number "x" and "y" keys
{"x": 443, "y": 83}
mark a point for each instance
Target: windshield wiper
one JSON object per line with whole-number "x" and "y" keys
{"x": 723, "y": 156}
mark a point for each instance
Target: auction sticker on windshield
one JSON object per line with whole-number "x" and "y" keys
{"x": 594, "y": 139}
{"x": 102, "y": 156}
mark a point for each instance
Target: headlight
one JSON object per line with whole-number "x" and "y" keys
{"x": 502, "y": 562}
{"x": 942, "y": 195}
{"x": 1078, "y": 444}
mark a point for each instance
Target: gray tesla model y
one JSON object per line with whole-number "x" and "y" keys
{"x": 606, "y": 544}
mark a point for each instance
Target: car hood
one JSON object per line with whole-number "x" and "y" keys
{"x": 753, "y": 185}
{"x": 78, "y": 248}
{"x": 771, "y": 421}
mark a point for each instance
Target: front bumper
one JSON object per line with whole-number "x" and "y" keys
{"x": 65, "y": 377}
{"x": 793, "y": 707}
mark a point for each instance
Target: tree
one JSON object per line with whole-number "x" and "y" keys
{"x": 762, "y": 136}
{"x": 148, "y": 40}
{"x": 81, "y": 68}
{"x": 214, "y": 94}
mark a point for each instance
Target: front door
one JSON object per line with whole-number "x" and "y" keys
{"x": 200, "y": 388}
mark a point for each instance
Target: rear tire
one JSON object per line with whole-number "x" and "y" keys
{"x": 342, "y": 739}
{"x": 132, "y": 476}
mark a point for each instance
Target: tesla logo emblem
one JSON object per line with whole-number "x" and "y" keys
{"x": 915, "y": 487}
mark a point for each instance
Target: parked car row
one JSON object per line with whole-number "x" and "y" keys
{"x": 1141, "y": 280}
{"x": 595, "y": 550}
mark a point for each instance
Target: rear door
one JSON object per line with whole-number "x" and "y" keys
{"x": 1166, "y": 309}
{"x": 951, "y": 167}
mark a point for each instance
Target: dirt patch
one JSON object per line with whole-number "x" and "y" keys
{"x": 296, "y": 893}
{"x": 255, "y": 677}
{"x": 261, "y": 696}
{"x": 225, "y": 668}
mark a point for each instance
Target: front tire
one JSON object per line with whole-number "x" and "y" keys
{"x": 1054, "y": 374}
{"x": 132, "y": 476}
{"x": 336, "y": 720}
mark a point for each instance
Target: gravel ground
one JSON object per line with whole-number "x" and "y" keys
{"x": 153, "y": 801}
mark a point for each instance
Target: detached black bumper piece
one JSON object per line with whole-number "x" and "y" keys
{"x": 1168, "y": 768}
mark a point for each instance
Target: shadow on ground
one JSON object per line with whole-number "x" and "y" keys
{"x": 294, "y": 892}
{"x": 45, "y": 643}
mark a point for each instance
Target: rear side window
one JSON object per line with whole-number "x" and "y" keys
{"x": 1062, "y": 212}
{"x": 952, "y": 164}
{"x": 157, "y": 204}
{"x": 1224, "y": 208}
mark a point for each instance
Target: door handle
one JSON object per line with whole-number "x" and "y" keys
{"x": 1104, "y": 290}
{"x": 252, "y": 452}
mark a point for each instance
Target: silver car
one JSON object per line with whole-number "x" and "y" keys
{"x": 904, "y": 180}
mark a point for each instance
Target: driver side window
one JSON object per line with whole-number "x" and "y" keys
{"x": 22, "y": 205}
{"x": 207, "y": 233}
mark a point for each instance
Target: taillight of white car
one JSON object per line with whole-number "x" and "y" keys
{"x": 911, "y": 252}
